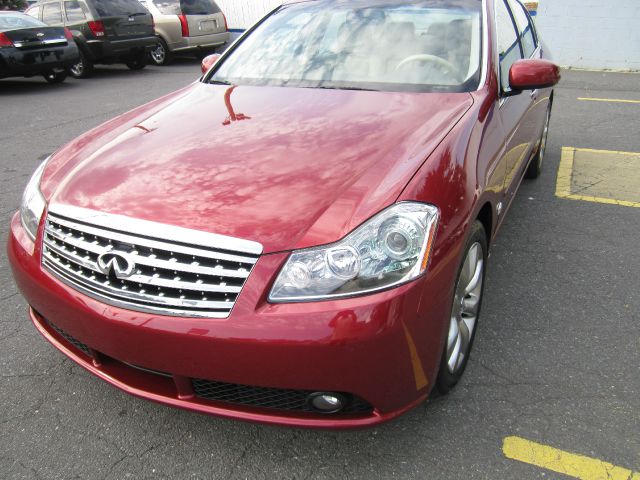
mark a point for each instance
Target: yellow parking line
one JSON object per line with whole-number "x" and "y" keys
{"x": 565, "y": 175}
{"x": 565, "y": 172}
{"x": 571, "y": 464}
{"x": 612, "y": 100}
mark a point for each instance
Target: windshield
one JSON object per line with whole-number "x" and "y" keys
{"x": 426, "y": 46}
{"x": 11, "y": 21}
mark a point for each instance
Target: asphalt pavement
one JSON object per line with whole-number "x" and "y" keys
{"x": 556, "y": 359}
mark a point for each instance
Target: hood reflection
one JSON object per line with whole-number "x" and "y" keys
{"x": 233, "y": 116}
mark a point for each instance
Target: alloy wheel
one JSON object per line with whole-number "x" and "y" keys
{"x": 158, "y": 54}
{"x": 466, "y": 306}
{"x": 77, "y": 69}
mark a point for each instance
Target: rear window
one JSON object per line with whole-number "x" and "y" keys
{"x": 187, "y": 7}
{"x": 199, "y": 7}
{"x": 10, "y": 22}
{"x": 114, "y": 8}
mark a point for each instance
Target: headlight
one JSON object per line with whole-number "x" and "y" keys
{"x": 33, "y": 203}
{"x": 389, "y": 249}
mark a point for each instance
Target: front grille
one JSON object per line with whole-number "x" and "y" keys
{"x": 275, "y": 398}
{"x": 171, "y": 277}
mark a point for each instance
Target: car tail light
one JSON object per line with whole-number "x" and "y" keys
{"x": 67, "y": 33}
{"x": 4, "y": 41}
{"x": 226, "y": 25}
{"x": 184, "y": 25}
{"x": 97, "y": 28}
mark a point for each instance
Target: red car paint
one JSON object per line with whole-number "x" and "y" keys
{"x": 541, "y": 73}
{"x": 303, "y": 168}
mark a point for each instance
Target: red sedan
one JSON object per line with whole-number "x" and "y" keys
{"x": 301, "y": 236}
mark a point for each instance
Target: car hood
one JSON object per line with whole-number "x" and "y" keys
{"x": 286, "y": 167}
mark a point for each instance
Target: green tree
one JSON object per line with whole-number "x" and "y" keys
{"x": 13, "y": 4}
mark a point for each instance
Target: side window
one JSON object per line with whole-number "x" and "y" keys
{"x": 508, "y": 45}
{"x": 52, "y": 14}
{"x": 33, "y": 12}
{"x": 525, "y": 29}
{"x": 74, "y": 11}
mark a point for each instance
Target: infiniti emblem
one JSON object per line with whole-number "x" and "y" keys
{"x": 118, "y": 264}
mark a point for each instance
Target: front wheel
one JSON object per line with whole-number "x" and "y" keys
{"x": 465, "y": 310}
{"x": 137, "y": 62}
{"x": 58, "y": 75}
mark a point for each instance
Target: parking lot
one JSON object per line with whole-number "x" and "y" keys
{"x": 556, "y": 359}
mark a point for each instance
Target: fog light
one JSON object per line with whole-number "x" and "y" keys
{"x": 327, "y": 402}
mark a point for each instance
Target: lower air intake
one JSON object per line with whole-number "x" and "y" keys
{"x": 274, "y": 398}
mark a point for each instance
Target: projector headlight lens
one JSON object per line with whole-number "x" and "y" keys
{"x": 390, "y": 249}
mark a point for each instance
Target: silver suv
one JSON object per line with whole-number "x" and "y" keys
{"x": 198, "y": 26}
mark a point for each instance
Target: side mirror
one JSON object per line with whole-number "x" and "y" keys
{"x": 532, "y": 74}
{"x": 209, "y": 61}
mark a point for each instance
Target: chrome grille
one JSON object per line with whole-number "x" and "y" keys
{"x": 170, "y": 276}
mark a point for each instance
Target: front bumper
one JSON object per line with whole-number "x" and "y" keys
{"x": 383, "y": 348}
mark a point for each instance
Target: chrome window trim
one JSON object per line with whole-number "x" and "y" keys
{"x": 170, "y": 233}
{"x": 485, "y": 46}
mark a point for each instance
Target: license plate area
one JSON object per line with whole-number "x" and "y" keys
{"x": 208, "y": 25}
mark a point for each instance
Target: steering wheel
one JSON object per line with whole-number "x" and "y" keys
{"x": 425, "y": 57}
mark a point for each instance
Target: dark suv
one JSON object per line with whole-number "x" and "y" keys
{"x": 106, "y": 31}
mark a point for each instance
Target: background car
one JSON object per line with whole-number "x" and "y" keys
{"x": 197, "y": 26}
{"x": 106, "y": 31}
{"x": 28, "y": 47}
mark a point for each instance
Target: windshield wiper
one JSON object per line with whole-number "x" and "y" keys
{"x": 357, "y": 89}
{"x": 220, "y": 82}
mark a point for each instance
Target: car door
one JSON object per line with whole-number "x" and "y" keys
{"x": 513, "y": 109}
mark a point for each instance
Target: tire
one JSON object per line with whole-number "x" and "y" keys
{"x": 137, "y": 62}
{"x": 535, "y": 167}
{"x": 465, "y": 310}
{"x": 161, "y": 55}
{"x": 55, "y": 76}
{"x": 82, "y": 69}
